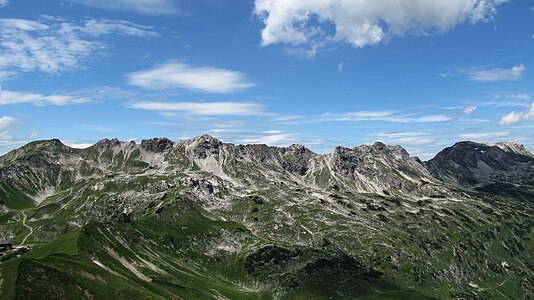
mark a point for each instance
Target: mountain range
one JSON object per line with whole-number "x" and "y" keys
{"x": 202, "y": 219}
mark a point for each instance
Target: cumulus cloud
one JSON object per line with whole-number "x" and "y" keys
{"x": 11, "y": 98}
{"x": 3, "y": 3}
{"x": 180, "y": 75}
{"x": 202, "y": 108}
{"x": 55, "y": 45}
{"x": 497, "y": 74}
{"x": 515, "y": 117}
{"x": 147, "y": 7}
{"x": 364, "y": 22}
{"x": 470, "y": 109}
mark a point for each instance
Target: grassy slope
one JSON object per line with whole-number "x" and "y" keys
{"x": 168, "y": 251}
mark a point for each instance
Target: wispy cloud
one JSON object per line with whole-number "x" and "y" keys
{"x": 11, "y": 98}
{"x": 202, "y": 108}
{"x": 386, "y": 116}
{"x": 180, "y": 75}
{"x": 4, "y": 3}
{"x": 56, "y": 45}
{"x": 497, "y": 74}
{"x": 98, "y": 27}
{"x": 147, "y": 7}
{"x": 515, "y": 117}
{"x": 340, "y": 66}
{"x": 412, "y": 141}
{"x": 485, "y": 136}
{"x": 516, "y": 99}
{"x": 273, "y": 139}
{"x": 397, "y": 134}
{"x": 405, "y": 137}
{"x": 94, "y": 128}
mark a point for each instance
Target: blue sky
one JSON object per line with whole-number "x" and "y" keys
{"x": 322, "y": 73}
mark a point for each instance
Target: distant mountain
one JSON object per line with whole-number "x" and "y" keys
{"x": 503, "y": 168}
{"x": 204, "y": 219}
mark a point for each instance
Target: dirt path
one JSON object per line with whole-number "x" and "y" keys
{"x": 24, "y": 217}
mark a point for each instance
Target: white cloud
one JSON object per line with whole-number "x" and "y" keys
{"x": 4, "y": 3}
{"x": 363, "y": 22}
{"x": 515, "y": 117}
{"x": 55, "y": 45}
{"x": 202, "y": 108}
{"x": 180, "y": 75}
{"x": 470, "y": 109}
{"x": 10, "y": 98}
{"x": 147, "y": 7}
{"x": 497, "y": 74}
{"x": 79, "y": 145}
{"x": 6, "y": 124}
{"x": 486, "y": 136}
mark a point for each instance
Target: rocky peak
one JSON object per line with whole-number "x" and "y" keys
{"x": 157, "y": 145}
{"x": 204, "y": 146}
{"x": 380, "y": 146}
{"x": 107, "y": 144}
{"x": 514, "y": 148}
{"x": 56, "y": 142}
{"x": 298, "y": 149}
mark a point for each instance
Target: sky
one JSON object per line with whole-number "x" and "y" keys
{"x": 321, "y": 73}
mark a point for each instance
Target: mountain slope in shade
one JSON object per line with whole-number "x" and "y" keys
{"x": 504, "y": 168}
{"x": 204, "y": 219}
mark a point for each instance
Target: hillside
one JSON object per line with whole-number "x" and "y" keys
{"x": 203, "y": 219}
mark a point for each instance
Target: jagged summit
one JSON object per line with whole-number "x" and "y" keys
{"x": 107, "y": 143}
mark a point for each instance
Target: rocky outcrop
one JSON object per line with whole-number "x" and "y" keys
{"x": 296, "y": 159}
{"x": 203, "y": 146}
{"x": 157, "y": 145}
{"x": 106, "y": 144}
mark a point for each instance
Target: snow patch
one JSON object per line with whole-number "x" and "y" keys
{"x": 98, "y": 263}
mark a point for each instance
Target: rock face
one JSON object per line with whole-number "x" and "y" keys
{"x": 203, "y": 146}
{"x": 474, "y": 165}
{"x": 157, "y": 145}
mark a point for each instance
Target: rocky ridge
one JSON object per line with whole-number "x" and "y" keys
{"x": 367, "y": 219}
